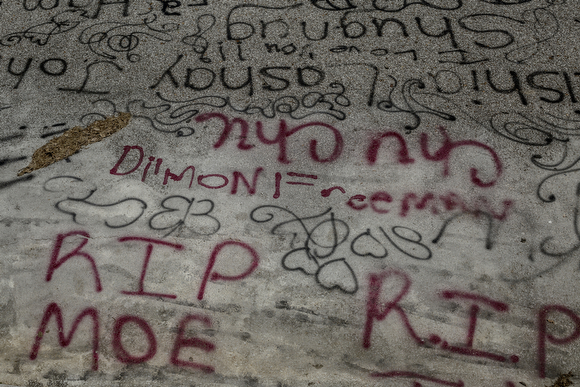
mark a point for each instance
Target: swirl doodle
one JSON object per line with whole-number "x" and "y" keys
{"x": 533, "y": 129}
{"x": 40, "y": 34}
{"x": 311, "y": 246}
{"x": 506, "y": 2}
{"x": 543, "y": 26}
{"x": 197, "y": 41}
{"x": 164, "y": 116}
{"x": 89, "y": 118}
{"x": 333, "y": 5}
{"x": 410, "y": 105}
{"x": 396, "y": 6}
{"x": 178, "y": 216}
{"x": 119, "y": 214}
{"x": 555, "y": 257}
{"x": 301, "y": 107}
{"x": 108, "y": 39}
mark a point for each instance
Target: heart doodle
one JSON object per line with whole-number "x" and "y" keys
{"x": 299, "y": 259}
{"x": 119, "y": 214}
{"x": 366, "y": 245}
{"x": 337, "y": 274}
{"x": 186, "y": 216}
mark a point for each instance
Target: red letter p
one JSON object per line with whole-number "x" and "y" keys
{"x": 217, "y": 276}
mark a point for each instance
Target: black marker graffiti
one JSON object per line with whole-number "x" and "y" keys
{"x": 197, "y": 41}
{"x": 110, "y": 38}
{"x": 185, "y": 217}
{"x": 311, "y": 246}
{"x": 119, "y": 214}
{"x": 41, "y": 33}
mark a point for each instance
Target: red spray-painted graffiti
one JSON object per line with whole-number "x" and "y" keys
{"x": 379, "y": 310}
{"x": 380, "y": 202}
{"x": 121, "y": 353}
{"x": 209, "y": 181}
{"x": 210, "y": 273}
{"x": 280, "y": 139}
{"x": 443, "y": 154}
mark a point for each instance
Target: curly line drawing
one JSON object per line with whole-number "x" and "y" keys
{"x": 107, "y": 39}
{"x": 524, "y": 128}
{"x": 196, "y": 41}
{"x": 165, "y": 115}
{"x": 309, "y": 246}
{"x": 375, "y": 76}
{"x": 562, "y": 257}
{"x": 89, "y": 118}
{"x": 333, "y": 5}
{"x": 410, "y": 105}
{"x": 40, "y": 34}
{"x": 538, "y": 130}
{"x": 300, "y": 107}
{"x": 129, "y": 210}
{"x": 506, "y": 2}
{"x": 387, "y": 5}
{"x": 178, "y": 215}
{"x": 543, "y": 26}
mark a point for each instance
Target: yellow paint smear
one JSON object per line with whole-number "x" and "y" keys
{"x": 563, "y": 380}
{"x": 73, "y": 140}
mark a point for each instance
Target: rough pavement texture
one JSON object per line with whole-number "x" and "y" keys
{"x": 308, "y": 193}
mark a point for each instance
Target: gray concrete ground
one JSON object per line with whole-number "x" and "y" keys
{"x": 289, "y": 193}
